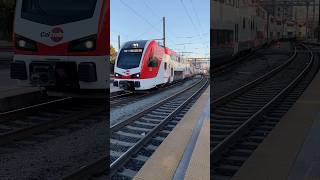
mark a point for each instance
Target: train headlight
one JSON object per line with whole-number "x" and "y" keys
{"x": 135, "y": 75}
{"x": 83, "y": 44}
{"x": 117, "y": 75}
{"x": 25, "y": 44}
{"x": 89, "y": 44}
{"x": 22, "y": 43}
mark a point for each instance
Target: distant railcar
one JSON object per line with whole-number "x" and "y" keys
{"x": 238, "y": 27}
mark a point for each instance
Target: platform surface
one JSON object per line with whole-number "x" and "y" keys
{"x": 165, "y": 161}
{"x": 292, "y": 149}
{"x": 113, "y": 88}
{"x": 9, "y": 87}
{"x": 6, "y": 51}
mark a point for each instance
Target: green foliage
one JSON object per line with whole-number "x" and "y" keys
{"x": 113, "y": 54}
{"x": 6, "y": 18}
{"x": 7, "y": 4}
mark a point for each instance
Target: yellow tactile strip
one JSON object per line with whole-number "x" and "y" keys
{"x": 164, "y": 161}
{"x": 199, "y": 166}
{"x": 274, "y": 158}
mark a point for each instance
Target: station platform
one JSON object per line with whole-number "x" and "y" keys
{"x": 14, "y": 96}
{"x": 113, "y": 88}
{"x": 185, "y": 153}
{"x": 6, "y": 51}
{"x": 292, "y": 149}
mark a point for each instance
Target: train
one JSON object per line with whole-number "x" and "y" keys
{"x": 238, "y": 27}
{"x": 145, "y": 64}
{"x": 62, "y": 45}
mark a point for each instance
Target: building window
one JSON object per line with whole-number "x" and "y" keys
{"x": 244, "y": 23}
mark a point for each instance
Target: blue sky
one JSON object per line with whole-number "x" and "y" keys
{"x": 187, "y": 23}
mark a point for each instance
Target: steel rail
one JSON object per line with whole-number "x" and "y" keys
{"x": 220, "y": 148}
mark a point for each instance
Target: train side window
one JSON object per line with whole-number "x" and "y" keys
{"x": 153, "y": 62}
{"x": 165, "y": 66}
{"x": 236, "y": 32}
{"x": 244, "y": 23}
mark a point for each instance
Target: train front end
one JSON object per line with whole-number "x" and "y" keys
{"x": 137, "y": 66}
{"x": 62, "y": 44}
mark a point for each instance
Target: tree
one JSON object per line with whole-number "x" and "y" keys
{"x": 6, "y": 18}
{"x": 113, "y": 54}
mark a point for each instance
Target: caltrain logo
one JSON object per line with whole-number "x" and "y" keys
{"x": 127, "y": 72}
{"x": 56, "y": 34}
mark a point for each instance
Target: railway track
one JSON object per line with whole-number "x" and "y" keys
{"x": 23, "y": 123}
{"x": 135, "y": 139}
{"x": 243, "y": 118}
{"x": 247, "y": 71}
{"x": 122, "y": 98}
{"x": 221, "y": 69}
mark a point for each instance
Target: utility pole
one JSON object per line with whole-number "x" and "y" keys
{"x": 283, "y": 21}
{"x": 313, "y": 19}
{"x": 164, "y": 31}
{"x": 307, "y": 21}
{"x": 268, "y": 17}
{"x": 318, "y": 29}
{"x": 119, "y": 42}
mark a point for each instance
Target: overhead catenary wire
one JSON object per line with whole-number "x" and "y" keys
{"x": 189, "y": 17}
{"x": 196, "y": 14}
{"x": 139, "y": 15}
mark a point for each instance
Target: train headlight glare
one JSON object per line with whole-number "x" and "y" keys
{"x": 89, "y": 44}
{"x": 136, "y": 75}
{"x": 25, "y": 44}
{"x": 83, "y": 44}
{"x": 22, "y": 43}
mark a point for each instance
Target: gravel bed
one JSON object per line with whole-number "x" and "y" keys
{"x": 54, "y": 154}
{"x": 119, "y": 114}
{"x": 260, "y": 63}
{"x": 61, "y": 151}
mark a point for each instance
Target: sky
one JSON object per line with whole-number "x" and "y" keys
{"x": 187, "y": 23}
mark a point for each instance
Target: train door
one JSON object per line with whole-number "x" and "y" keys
{"x": 236, "y": 39}
{"x": 153, "y": 63}
{"x": 166, "y": 68}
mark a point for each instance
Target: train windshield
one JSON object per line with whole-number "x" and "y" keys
{"x": 129, "y": 58}
{"x": 57, "y": 12}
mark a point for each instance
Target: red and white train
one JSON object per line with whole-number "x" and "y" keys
{"x": 143, "y": 65}
{"x": 62, "y": 44}
{"x": 238, "y": 27}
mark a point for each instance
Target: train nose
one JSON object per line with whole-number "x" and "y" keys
{"x": 128, "y": 85}
{"x": 42, "y": 74}
{"x": 125, "y": 85}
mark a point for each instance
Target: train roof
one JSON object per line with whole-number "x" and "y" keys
{"x": 142, "y": 44}
{"x": 169, "y": 51}
{"x": 135, "y": 44}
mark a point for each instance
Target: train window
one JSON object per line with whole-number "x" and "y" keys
{"x": 129, "y": 59}
{"x": 244, "y": 23}
{"x": 253, "y": 25}
{"x": 221, "y": 37}
{"x": 153, "y": 62}
{"x": 165, "y": 66}
{"x": 57, "y": 12}
{"x": 214, "y": 37}
{"x": 236, "y": 33}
